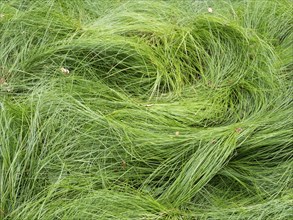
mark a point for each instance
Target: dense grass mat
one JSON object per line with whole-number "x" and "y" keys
{"x": 146, "y": 109}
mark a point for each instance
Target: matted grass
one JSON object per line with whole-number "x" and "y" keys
{"x": 146, "y": 109}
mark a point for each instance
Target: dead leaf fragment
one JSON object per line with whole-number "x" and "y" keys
{"x": 2, "y": 81}
{"x": 238, "y": 130}
{"x": 65, "y": 71}
{"x": 123, "y": 164}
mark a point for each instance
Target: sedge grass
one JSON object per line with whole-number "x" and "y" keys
{"x": 145, "y": 110}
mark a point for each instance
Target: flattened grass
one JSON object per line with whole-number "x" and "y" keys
{"x": 146, "y": 110}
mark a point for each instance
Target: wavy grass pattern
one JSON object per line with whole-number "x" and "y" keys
{"x": 146, "y": 109}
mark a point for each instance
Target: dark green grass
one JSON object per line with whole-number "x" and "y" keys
{"x": 146, "y": 109}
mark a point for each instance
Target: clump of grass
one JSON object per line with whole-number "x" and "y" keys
{"x": 145, "y": 110}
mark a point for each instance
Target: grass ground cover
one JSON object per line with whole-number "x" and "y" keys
{"x": 146, "y": 109}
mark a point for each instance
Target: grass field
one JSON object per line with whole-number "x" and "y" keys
{"x": 148, "y": 109}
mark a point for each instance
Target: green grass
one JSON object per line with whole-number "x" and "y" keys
{"x": 146, "y": 109}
